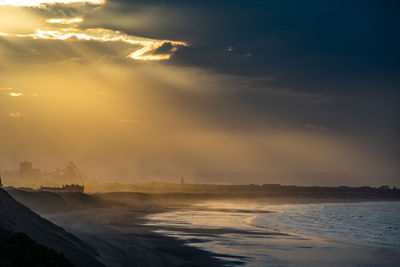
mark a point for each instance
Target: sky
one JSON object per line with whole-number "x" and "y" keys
{"x": 274, "y": 87}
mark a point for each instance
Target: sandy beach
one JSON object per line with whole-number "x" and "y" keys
{"x": 145, "y": 235}
{"x": 120, "y": 243}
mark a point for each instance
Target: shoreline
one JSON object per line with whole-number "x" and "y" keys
{"x": 119, "y": 228}
{"x": 283, "y": 247}
{"x": 120, "y": 243}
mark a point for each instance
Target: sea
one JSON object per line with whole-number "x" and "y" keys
{"x": 258, "y": 233}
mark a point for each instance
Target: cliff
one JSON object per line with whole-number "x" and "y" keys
{"x": 16, "y": 218}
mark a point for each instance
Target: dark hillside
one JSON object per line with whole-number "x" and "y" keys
{"x": 17, "y": 249}
{"x": 16, "y": 218}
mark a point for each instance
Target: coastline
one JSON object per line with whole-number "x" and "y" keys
{"x": 121, "y": 228}
{"x": 121, "y": 238}
{"x": 263, "y": 246}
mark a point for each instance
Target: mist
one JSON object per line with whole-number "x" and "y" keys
{"x": 122, "y": 120}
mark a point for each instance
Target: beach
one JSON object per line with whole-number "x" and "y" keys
{"x": 291, "y": 234}
{"x": 223, "y": 233}
{"x": 120, "y": 238}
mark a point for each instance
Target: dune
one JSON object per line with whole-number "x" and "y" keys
{"x": 17, "y": 218}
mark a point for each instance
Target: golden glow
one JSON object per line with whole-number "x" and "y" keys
{"x": 147, "y": 50}
{"x": 85, "y": 99}
{"x": 150, "y": 46}
{"x": 65, "y": 21}
{"x": 15, "y": 114}
{"x": 127, "y": 121}
{"x": 15, "y": 94}
{"x": 40, "y": 3}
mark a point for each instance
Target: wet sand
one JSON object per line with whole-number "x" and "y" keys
{"x": 233, "y": 233}
{"x": 121, "y": 228}
{"x": 122, "y": 237}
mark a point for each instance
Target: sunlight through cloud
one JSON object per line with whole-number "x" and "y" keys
{"x": 65, "y": 21}
{"x": 149, "y": 49}
{"x": 15, "y": 94}
{"x": 148, "y": 52}
{"x": 15, "y": 114}
{"x": 41, "y": 3}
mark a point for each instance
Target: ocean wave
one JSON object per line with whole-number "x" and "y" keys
{"x": 374, "y": 224}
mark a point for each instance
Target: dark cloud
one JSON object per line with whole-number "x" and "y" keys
{"x": 338, "y": 41}
{"x": 347, "y": 53}
{"x": 345, "y": 49}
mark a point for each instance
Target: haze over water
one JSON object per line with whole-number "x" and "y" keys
{"x": 302, "y": 93}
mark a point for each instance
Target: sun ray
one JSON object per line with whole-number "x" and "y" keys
{"x": 41, "y": 3}
{"x": 15, "y": 94}
{"x": 147, "y": 52}
{"x": 65, "y": 21}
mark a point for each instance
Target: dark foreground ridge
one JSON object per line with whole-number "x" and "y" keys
{"x": 17, "y": 249}
{"x": 115, "y": 228}
{"x": 16, "y": 218}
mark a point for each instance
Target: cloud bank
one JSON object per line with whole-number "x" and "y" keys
{"x": 149, "y": 49}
